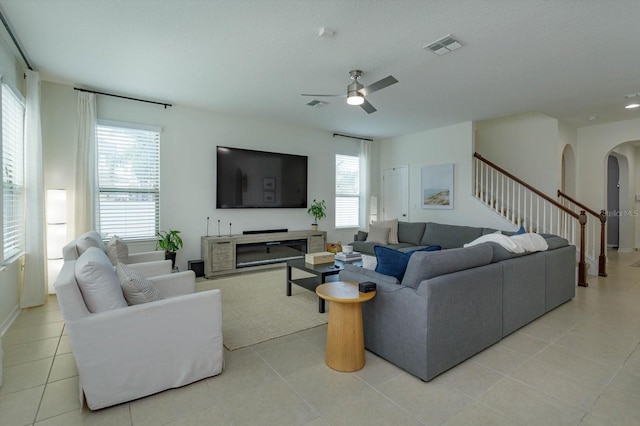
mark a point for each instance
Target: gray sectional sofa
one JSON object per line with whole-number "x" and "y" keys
{"x": 453, "y": 303}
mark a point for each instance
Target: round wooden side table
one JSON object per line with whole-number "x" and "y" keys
{"x": 345, "y": 338}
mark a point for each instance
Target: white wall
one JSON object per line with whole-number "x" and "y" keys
{"x": 568, "y": 140}
{"x": 452, "y": 144}
{"x": 523, "y": 144}
{"x": 10, "y": 276}
{"x": 594, "y": 145}
{"x": 188, "y": 154}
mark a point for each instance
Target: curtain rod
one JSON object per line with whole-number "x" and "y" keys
{"x": 165, "y": 105}
{"x": 352, "y": 137}
{"x": 15, "y": 42}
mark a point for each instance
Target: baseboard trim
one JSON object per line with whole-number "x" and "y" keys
{"x": 9, "y": 320}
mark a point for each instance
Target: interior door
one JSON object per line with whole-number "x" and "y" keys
{"x": 395, "y": 193}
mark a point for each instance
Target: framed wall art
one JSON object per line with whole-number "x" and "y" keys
{"x": 437, "y": 187}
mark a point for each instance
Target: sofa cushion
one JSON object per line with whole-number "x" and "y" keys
{"x": 555, "y": 242}
{"x": 393, "y": 262}
{"x": 449, "y": 236}
{"x": 89, "y": 239}
{"x": 98, "y": 282}
{"x": 117, "y": 250}
{"x": 425, "y": 265}
{"x": 392, "y": 224}
{"x": 411, "y": 232}
{"x": 378, "y": 235}
{"x": 136, "y": 288}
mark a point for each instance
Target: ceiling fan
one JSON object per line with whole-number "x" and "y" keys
{"x": 356, "y": 92}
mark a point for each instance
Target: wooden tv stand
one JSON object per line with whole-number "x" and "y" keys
{"x": 236, "y": 253}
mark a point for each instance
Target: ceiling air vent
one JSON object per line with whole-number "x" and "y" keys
{"x": 443, "y": 46}
{"x": 316, "y": 103}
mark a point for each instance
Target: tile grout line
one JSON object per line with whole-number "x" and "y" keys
{"x": 46, "y": 383}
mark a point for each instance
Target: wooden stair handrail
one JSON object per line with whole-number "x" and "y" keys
{"x": 602, "y": 258}
{"x": 529, "y": 187}
{"x": 581, "y": 218}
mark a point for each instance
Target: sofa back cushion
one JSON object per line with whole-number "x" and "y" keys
{"x": 411, "y": 232}
{"x": 449, "y": 236}
{"x": 89, "y": 239}
{"x": 393, "y": 262}
{"x": 117, "y": 250}
{"x": 98, "y": 282}
{"x": 425, "y": 265}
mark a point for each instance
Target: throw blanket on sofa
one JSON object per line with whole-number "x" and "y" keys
{"x": 516, "y": 243}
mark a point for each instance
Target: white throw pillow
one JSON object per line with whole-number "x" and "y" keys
{"x": 369, "y": 262}
{"x": 378, "y": 235}
{"x": 117, "y": 250}
{"x": 98, "y": 282}
{"x": 136, "y": 288}
{"x": 531, "y": 241}
{"x": 508, "y": 243}
{"x": 392, "y": 224}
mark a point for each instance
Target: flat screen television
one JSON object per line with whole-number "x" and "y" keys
{"x": 260, "y": 179}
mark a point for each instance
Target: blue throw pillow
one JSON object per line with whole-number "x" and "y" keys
{"x": 393, "y": 262}
{"x": 521, "y": 231}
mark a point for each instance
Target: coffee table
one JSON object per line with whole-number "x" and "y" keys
{"x": 345, "y": 337}
{"x": 322, "y": 273}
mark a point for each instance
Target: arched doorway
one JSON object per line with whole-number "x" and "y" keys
{"x": 613, "y": 202}
{"x": 568, "y": 182}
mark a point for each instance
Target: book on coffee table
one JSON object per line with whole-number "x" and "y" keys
{"x": 348, "y": 257}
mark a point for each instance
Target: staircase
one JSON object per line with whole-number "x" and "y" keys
{"x": 523, "y": 205}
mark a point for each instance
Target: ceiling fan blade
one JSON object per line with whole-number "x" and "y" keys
{"x": 368, "y": 107}
{"x": 380, "y": 84}
{"x": 325, "y": 96}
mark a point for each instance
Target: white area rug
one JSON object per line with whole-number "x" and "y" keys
{"x": 255, "y": 306}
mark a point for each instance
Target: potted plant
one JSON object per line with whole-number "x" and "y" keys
{"x": 170, "y": 242}
{"x": 318, "y": 211}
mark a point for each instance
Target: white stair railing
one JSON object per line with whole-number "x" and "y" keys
{"x": 523, "y": 205}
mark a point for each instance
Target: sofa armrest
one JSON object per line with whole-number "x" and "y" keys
{"x": 359, "y": 274}
{"x": 148, "y": 256}
{"x": 152, "y": 269}
{"x": 176, "y": 284}
{"x": 128, "y": 353}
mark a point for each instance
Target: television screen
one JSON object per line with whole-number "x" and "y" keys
{"x": 259, "y": 179}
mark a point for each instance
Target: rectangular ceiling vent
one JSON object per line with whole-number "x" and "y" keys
{"x": 443, "y": 46}
{"x": 316, "y": 103}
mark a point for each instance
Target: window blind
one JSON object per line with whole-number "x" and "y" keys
{"x": 128, "y": 181}
{"x": 12, "y": 174}
{"x": 347, "y": 191}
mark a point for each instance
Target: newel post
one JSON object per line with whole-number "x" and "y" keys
{"x": 602, "y": 260}
{"x": 582, "y": 265}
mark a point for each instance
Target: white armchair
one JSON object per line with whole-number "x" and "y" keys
{"x": 134, "y": 351}
{"x": 149, "y": 263}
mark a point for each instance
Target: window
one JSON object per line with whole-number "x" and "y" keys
{"x": 128, "y": 180}
{"x": 347, "y": 191}
{"x": 12, "y": 174}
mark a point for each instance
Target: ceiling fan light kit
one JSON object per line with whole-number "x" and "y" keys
{"x": 356, "y": 92}
{"x": 633, "y": 101}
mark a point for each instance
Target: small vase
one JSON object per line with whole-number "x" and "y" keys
{"x": 314, "y": 226}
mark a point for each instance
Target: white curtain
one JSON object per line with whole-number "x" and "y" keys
{"x": 365, "y": 187}
{"x": 85, "y": 182}
{"x": 34, "y": 289}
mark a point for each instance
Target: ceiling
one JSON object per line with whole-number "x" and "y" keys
{"x": 570, "y": 59}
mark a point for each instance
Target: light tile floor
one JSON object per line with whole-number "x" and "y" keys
{"x": 579, "y": 364}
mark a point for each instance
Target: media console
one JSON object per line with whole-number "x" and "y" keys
{"x": 229, "y": 254}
